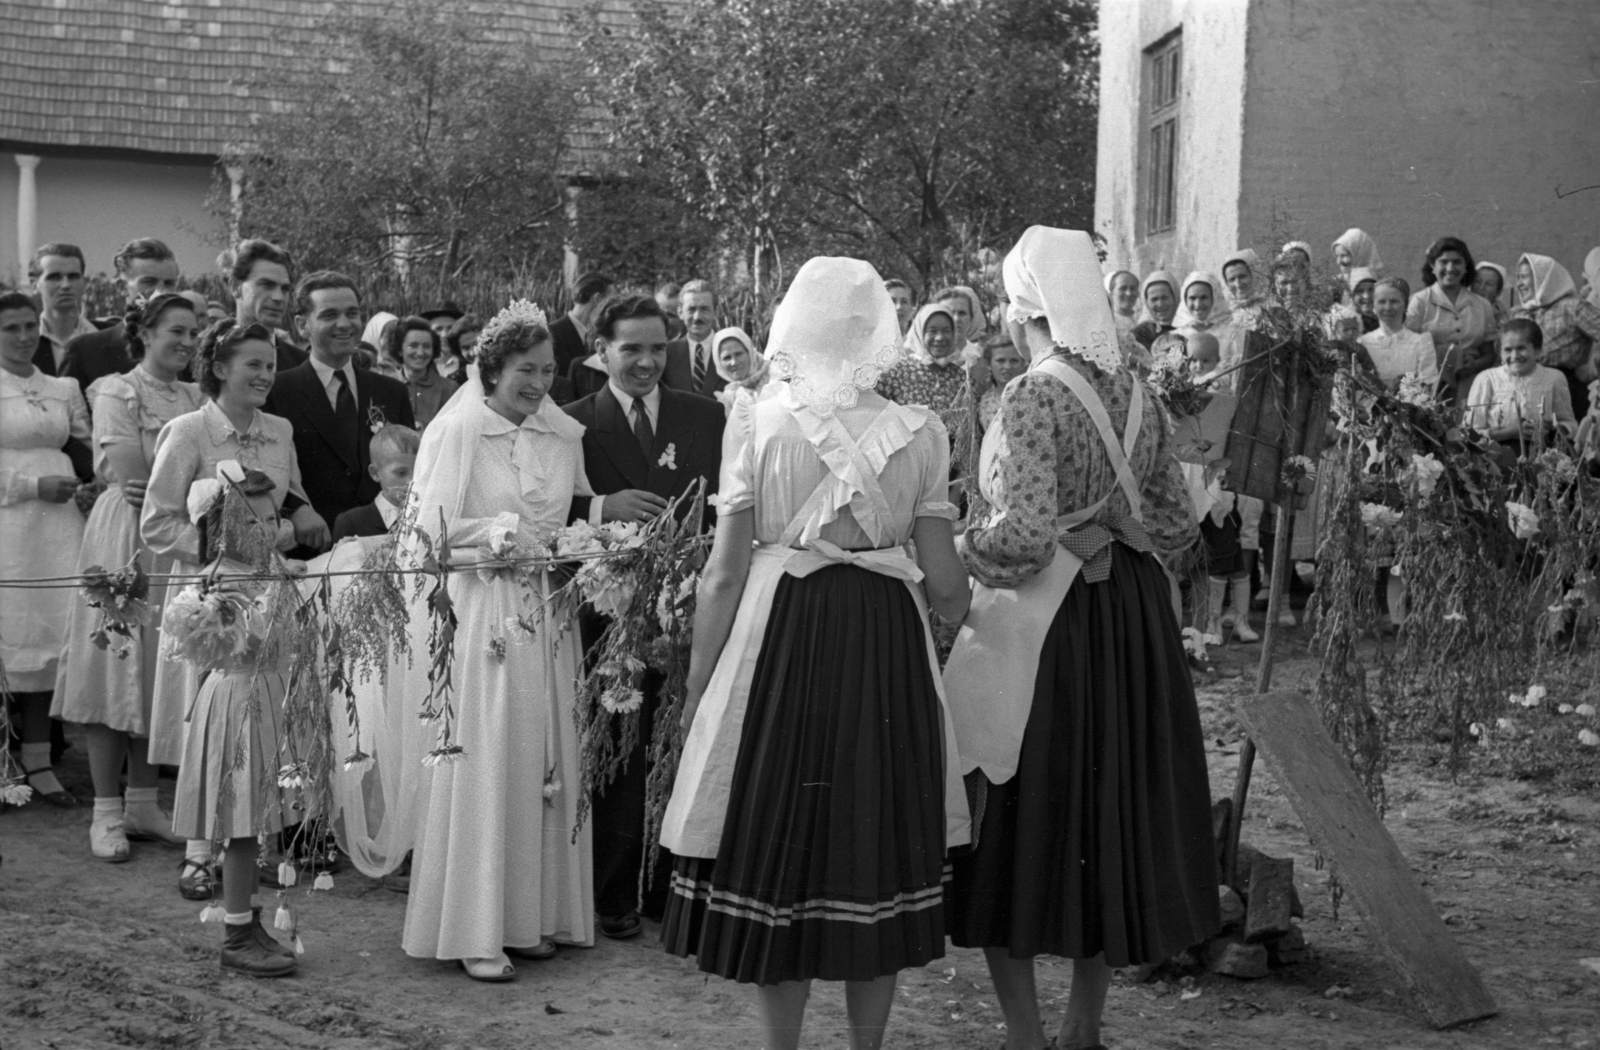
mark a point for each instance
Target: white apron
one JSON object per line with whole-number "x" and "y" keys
{"x": 993, "y": 667}
{"x": 695, "y": 813}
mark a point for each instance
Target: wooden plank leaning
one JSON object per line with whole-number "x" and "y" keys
{"x": 1343, "y": 824}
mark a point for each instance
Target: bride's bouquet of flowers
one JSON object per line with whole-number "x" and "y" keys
{"x": 1174, "y": 383}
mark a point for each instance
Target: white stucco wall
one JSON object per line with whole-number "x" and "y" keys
{"x": 100, "y": 205}
{"x": 1209, "y": 130}
{"x": 1418, "y": 119}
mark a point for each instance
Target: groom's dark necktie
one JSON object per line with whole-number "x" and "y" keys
{"x": 344, "y": 414}
{"x": 642, "y": 430}
{"x": 700, "y": 355}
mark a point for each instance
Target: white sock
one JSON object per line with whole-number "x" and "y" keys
{"x": 37, "y": 756}
{"x": 107, "y": 810}
{"x": 241, "y": 919}
{"x": 198, "y": 850}
{"x": 142, "y": 806}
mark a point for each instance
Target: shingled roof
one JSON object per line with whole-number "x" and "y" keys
{"x": 185, "y": 78}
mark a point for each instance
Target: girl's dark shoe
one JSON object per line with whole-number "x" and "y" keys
{"x": 243, "y": 953}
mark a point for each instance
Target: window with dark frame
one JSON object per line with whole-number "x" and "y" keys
{"x": 1161, "y": 193}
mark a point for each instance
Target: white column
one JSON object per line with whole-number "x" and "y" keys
{"x": 27, "y": 211}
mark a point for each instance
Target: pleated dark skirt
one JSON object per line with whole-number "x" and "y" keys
{"x": 1102, "y": 840}
{"x": 831, "y": 859}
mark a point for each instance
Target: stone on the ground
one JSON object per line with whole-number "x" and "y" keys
{"x": 1247, "y": 858}
{"x": 1271, "y": 898}
{"x": 1232, "y": 906}
{"x": 1231, "y": 956}
{"x": 1287, "y": 950}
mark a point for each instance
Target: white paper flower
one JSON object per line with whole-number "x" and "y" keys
{"x": 323, "y": 881}
{"x": 1455, "y": 617}
{"x": 1377, "y": 516}
{"x": 287, "y": 876}
{"x": 1524, "y": 522}
{"x": 1586, "y": 710}
{"x": 1588, "y": 738}
{"x": 16, "y": 794}
{"x": 1564, "y": 709}
{"x": 619, "y": 701}
{"x": 1425, "y": 471}
{"x": 669, "y": 458}
{"x": 1536, "y": 694}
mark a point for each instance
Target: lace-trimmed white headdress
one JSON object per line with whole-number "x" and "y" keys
{"x": 1055, "y": 274}
{"x": 834, "y": 334}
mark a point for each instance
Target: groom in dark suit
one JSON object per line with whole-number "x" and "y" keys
{"x": 645, "y": 444}
{"x": 331, "y": 402}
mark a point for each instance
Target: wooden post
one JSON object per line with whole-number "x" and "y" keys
{"x": 1277, "y": 594}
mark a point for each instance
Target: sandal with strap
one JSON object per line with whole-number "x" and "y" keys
{"x": 493, "y": 971}
{"x": 197, "y": 881}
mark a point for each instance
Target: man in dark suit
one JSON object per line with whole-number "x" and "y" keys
{"x": 569, "y": 334}
{"x": 261, "y": 277}
{"x": 145, "y": 267}
{"x": 333, "y": 405}
{"x": 692, "y": 361}
{"x": 645, "y": 444}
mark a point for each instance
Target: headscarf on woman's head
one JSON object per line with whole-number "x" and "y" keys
{"x": 917, "y": 344}
{"x": 1156, "y": 277}
{"x": 758, "y": 362}
{"x": 1220, "y": 310}
{"x": 833, "y": 335}
{"x": 1290, "y": 246}
{"x": 1053, "y": 273}
{"x": 1362, "y": 248}
{"x": 1591, "y": 272}
{"x": 1111, "y": 279}
{"x": 1249, "y": 257}
{"x": 1551, "y": 281}
{"x": 1361, "y": 273}
{"x": 1505, "y": 280}
{"x": 372, "y": 335}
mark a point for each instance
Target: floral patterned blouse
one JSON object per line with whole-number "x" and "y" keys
{"x": 1058, "y": 464}
{"x": 945, "y": 389}
{"x": 1571, "y": 328}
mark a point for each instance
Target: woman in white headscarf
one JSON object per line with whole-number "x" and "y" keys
{"x": 972, "y": 324}
{"x": 376, "y": 333}
{"x": 1355, "y": 249}
{"x": 1069, "y": 681}
{"x": 1122, "y": 288}
{"x": 742, "y": 367}
{"x": 932, "y": 374}
{"x": 1159, "y": 294}
{"x": 1571, "y": 325}
{"x": 818, "y": 789}
{"x": 1202, "y": 304}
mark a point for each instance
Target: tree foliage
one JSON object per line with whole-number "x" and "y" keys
{"x": 415, "y": 143}
{"x": 908, "y": 132}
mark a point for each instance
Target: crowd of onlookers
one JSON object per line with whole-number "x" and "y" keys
{"x": 346, "y": 389}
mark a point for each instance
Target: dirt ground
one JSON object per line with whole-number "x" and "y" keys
{"x": 98, "y": 955}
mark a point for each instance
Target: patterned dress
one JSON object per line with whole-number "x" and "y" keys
{"x": 96, "y": 686}
{"x": 946, "y": 389}
{"x": 1101, "y": 840}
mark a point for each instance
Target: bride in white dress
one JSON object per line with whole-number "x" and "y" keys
{"x": 496, "y": 870}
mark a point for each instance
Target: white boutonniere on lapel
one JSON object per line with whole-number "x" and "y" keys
{"x": 669, "y": 458}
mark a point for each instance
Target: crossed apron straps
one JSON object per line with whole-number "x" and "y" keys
{"x": 878, "y": 504}
{"x": 1119, "y": 452}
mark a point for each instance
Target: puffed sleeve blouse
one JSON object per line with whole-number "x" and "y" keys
{"x": 130, "y": 409}
{"x": 1468, "y": 322}
{"x": 1057, "y": 464}
{"x": 775, "y": 457}
{"x": 189, "y": 449}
